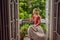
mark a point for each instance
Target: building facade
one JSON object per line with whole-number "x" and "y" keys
{"x": 9, "y": 28}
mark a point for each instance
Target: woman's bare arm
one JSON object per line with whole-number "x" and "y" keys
{"x": 38, "y": 23}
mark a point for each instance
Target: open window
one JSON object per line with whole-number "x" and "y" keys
{"x": 26, "y": 11}
{"x": 10, "y": 22}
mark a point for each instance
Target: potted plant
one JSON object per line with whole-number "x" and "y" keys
{"x": 23, "y": 31}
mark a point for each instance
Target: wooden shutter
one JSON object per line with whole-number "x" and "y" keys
{"x": 56, "y": 17}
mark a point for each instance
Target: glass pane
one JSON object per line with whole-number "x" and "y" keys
{"x": 55, "y": 0}
{"x": 11, "y": 10}
{"x": 16, "y": 1}
{"x": 15, "y": 11}
{"x": 54, "y": 36}
{"x": 12, "y": 30}
{"x": 55, "y": 9}
{"x": 11, "y": 0}
{"x": 54, "y": 28}
{"x": 15, "y": 30}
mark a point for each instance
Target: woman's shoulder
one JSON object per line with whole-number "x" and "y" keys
{"x": 38, "y": 16}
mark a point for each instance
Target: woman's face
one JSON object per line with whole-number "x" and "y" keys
{"x": 35, "y": 12}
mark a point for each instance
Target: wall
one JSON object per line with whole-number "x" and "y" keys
{"x": 0, "y": 22}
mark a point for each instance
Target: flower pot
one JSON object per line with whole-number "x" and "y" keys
{"x": 22, "y": 37}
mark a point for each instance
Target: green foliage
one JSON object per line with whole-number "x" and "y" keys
{"x": 43, "y": 27}
{"x": 26, "y": 7}
{"x": 23, "y": 29}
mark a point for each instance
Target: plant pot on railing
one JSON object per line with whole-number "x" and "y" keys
{"x": 23, "y": 32}
{"x": 22, "y": 36}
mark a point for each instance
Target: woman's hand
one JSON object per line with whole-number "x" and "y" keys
{"x": 35, "y": 25}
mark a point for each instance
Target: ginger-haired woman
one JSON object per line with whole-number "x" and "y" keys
{"x": 35, "y": 31}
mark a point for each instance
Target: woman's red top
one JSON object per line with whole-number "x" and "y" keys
{"x": 35, "y": 19}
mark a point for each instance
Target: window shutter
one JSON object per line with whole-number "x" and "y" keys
{"x": 56, "y": 17}
{"x": 13, "y": 20}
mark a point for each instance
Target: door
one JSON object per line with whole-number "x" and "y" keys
{"x": 58, "y": 20}
{"x": 56, "y": 17}
{"x": 9, "y": 20}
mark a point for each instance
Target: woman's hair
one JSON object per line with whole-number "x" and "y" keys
{"x": 36, "y": 9}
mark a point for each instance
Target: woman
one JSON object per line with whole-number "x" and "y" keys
{"x": 35, "y": 32}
